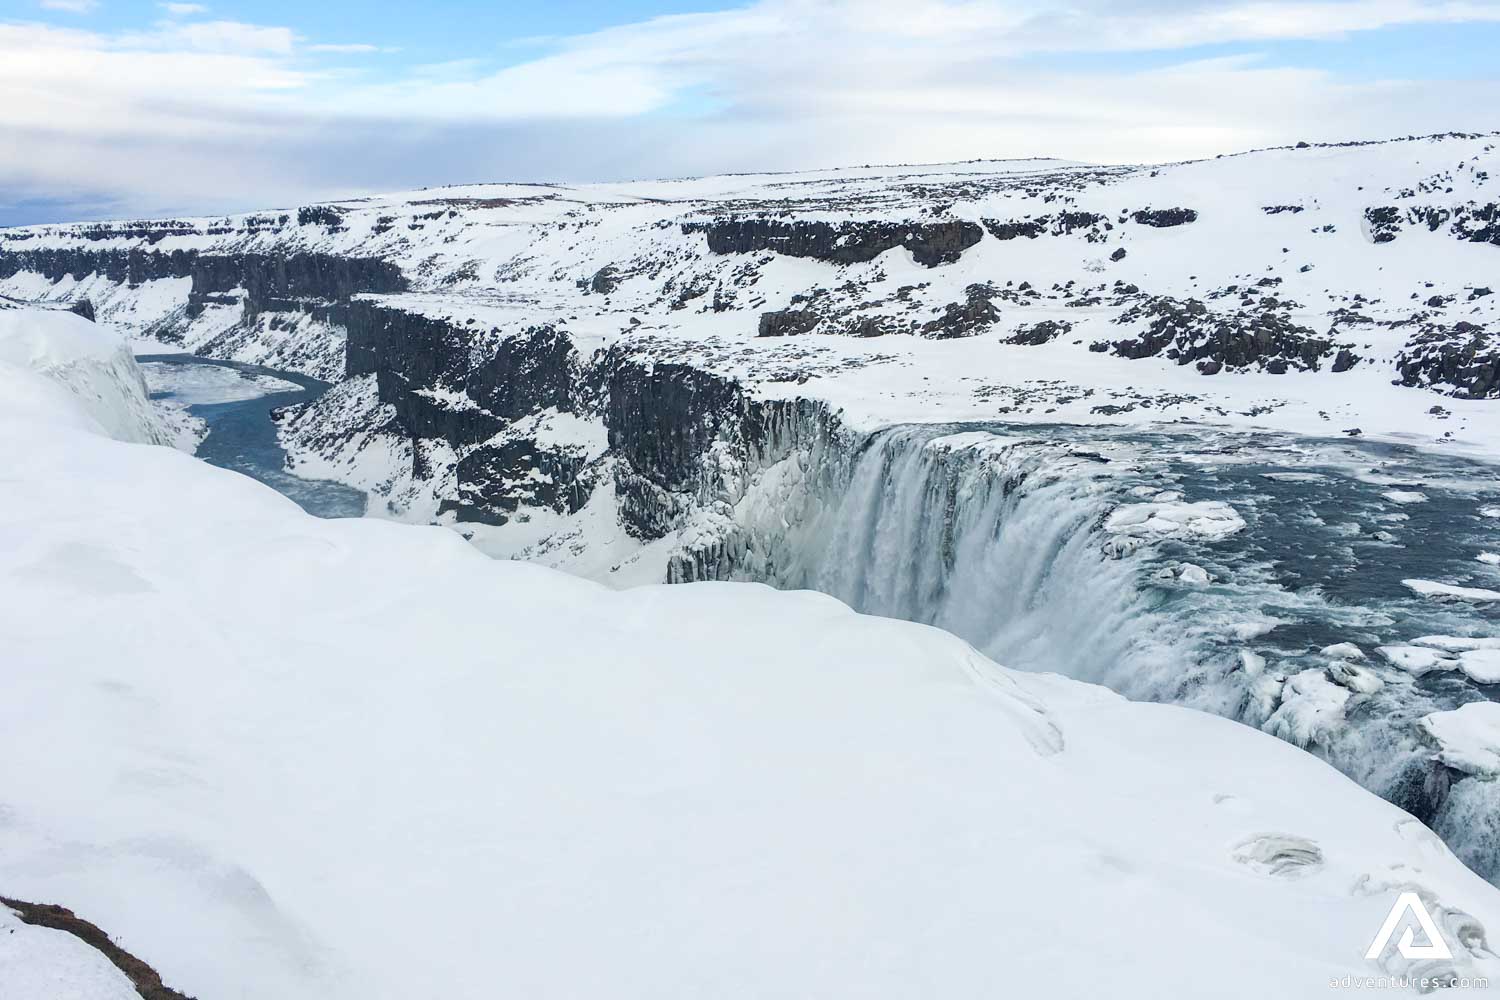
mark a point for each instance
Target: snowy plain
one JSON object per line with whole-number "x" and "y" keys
{"x": 290, "y": 757}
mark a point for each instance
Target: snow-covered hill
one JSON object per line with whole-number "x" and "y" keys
{"x": 280, "y": 756}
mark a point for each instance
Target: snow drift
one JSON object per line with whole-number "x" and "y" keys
{"x": 279, "y": 756}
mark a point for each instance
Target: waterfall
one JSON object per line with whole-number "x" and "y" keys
{"x": 974, "y": 535}
{"x": 1180, "y": 568}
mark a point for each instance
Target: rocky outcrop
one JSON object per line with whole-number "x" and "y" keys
{"x": 1091, "y": 224}
{"x": 495, "y": 481}
{"x": 1187, "y": 331}
{"x": 457, "y": 383}
{"x": 787, "y": 322}
{"x": 930, "y": 243}
{"x": 973, "y": 316}
{"x": 1463, "y": 359}
{"x": 267, "y": 279}
{"x": 687, "y": 440}
{"x": 1164, "y": 218}
{"x": 1473, "y": 223}
{"x": 1037, "y": 334}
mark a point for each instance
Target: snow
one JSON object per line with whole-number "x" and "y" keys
{"x": 37, "y": 963}
{"x": 1430, "y": 588}
{"x": 1468, "y": 738}
{"x": 280, "y": 756}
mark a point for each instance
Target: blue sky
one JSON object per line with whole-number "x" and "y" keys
{"x": 129, "y": 107}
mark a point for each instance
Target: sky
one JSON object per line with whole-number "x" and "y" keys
{"x": 132, "y": 108}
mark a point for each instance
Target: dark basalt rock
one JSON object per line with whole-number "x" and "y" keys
{"x": 267, "y": 279}
{"x": 1473, "y": 223}
{"x": 320, "y": 215}
{"x": 84, "y": 308}
{"x": 931, "y": 243}
{"x": 973, "y": 316}
{"x": 1164, "y": 218}
{"x": 497, "y": 480}
{"x": 662, "y": 418}
{"x": 1061, "y": 224}
{"x": 787, "y": 322}
{"x": 1038, "y": 334}
{"x": 1188, "y": 331}
{"x": 1030, "y": 228}
{"x": 1464, "y": 357}
{"x": 1118, "y": 255}
{"x": 605, "y": 280}
{"x": 456, "y": 382}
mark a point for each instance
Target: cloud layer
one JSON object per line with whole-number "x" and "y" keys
{"x": 194, "y": 114}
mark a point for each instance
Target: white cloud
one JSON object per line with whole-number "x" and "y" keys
{"x": 209, "y": 112}
{"x": 348, "y": 49}
{"x": 183, "y": 9}
{"x": 70, "y": 6}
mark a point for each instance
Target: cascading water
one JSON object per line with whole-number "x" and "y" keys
{"x": 1211, "y": 570}
{"x": 991, "y": 540}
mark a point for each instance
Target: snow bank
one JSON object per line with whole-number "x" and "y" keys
{"x": 61, "y": 368}
{"x": 284, "y": 757}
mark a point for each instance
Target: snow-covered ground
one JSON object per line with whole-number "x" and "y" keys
{"x": 281, "y": 756}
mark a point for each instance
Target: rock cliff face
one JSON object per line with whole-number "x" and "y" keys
{"x": 514, "y": 348}
{"x": 930, "y": 243}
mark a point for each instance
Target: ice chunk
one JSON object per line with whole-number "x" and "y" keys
{"x": 1430, "y": 588}
{"x": 1343, "y": 651}
{"x": 1489, "y": 558}
{"x": 1489, "y": 512}
{"x": 1481, "y": 665}
{"x": 1356, "y": 679}
{"x": 1193, "y": 574}
{"x": 1294, "y": 477}
{"x": 1253, "y": 630}
{"x": 1311, "y": 706}
{"x": 1207, "y": 519}
{"x": 1405, "y": 496}
{"x": 1456, "y": 644}
{"x": 1468, "y": 738}
{"x": 1417, "y": 660}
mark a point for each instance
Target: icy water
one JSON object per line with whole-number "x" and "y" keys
{"x": 1287, "y": 608}
{"x": 236, "y": 400}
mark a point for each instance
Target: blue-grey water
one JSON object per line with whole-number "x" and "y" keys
{"x": 241, "y": 433}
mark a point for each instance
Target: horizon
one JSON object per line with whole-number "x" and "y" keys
{"x": 129, "y": 109}
{"x": 1064, "y": 163}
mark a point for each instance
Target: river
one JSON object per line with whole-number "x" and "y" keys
{"x": 235, "y": 402}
